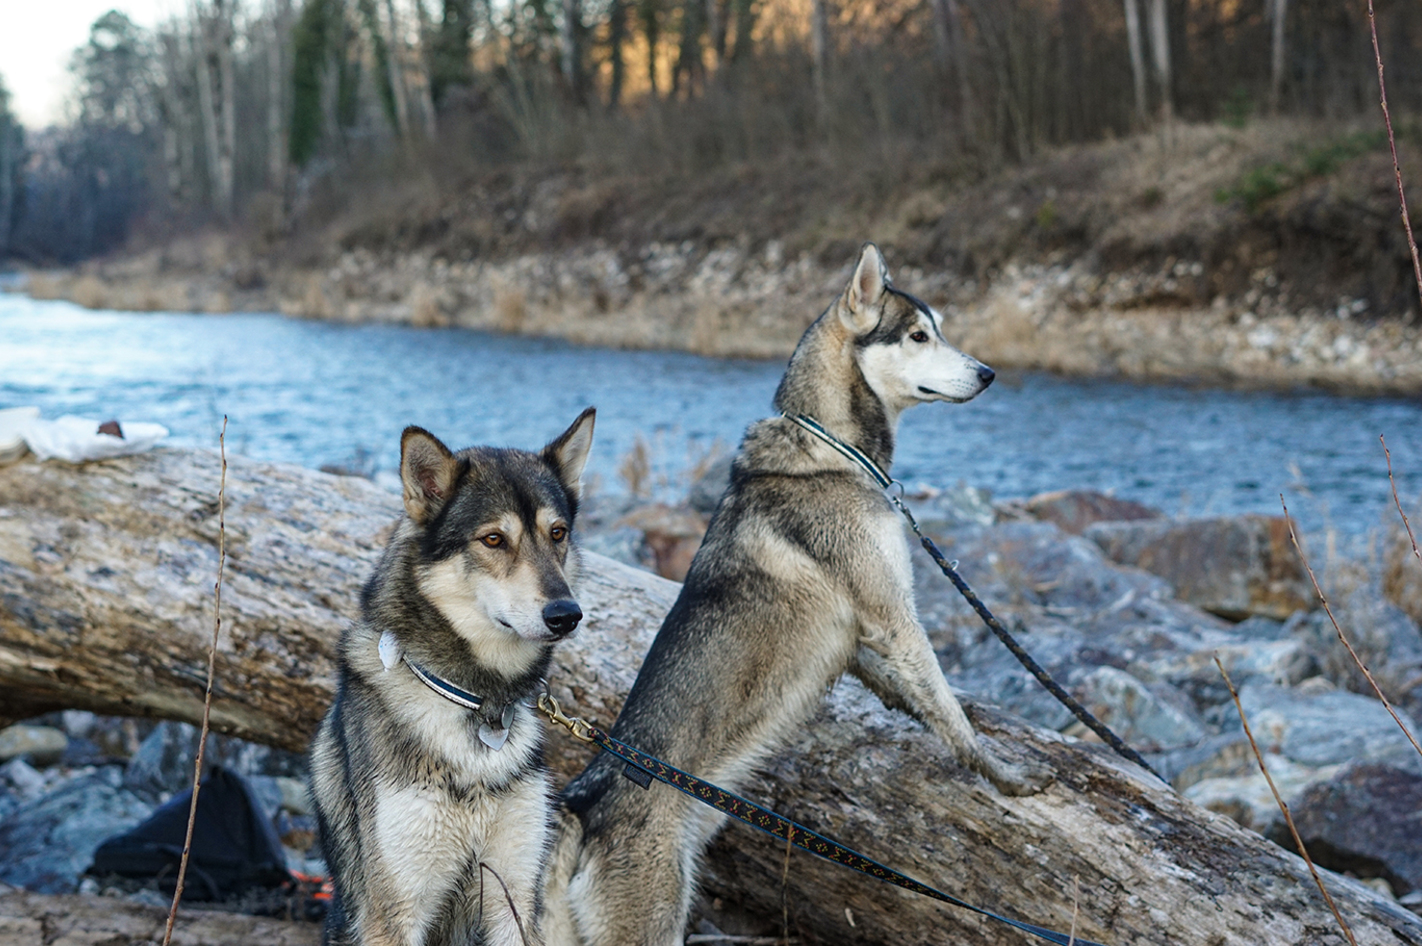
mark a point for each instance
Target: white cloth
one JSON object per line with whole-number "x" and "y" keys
{"x": 77, "y": 439}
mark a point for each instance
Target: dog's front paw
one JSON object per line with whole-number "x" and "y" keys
{"x": 1025, "y": 778}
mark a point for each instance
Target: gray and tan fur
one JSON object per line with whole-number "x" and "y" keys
{"x": 804, "y": 573}
{"x": 422, "y": 823}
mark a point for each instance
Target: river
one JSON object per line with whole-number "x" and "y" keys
{"x": 318, "y": 393}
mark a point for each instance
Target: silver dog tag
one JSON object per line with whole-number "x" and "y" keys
{"x": 493, "y": 738}
{"x": 389, "y": 650}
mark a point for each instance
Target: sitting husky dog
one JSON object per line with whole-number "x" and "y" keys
{"x": 432, "y": 800}
{"x": 804, "y": 573}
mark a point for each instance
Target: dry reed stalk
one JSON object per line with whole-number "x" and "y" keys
{"x": 1397, "y": 502}
{"x": 1392, "y": 143}
{"x": 1075, "y": 909}
{"x": 1283, "y": 806}
{"x": 1339, "y": 631}
{"x": 508, "y": 898}
{"x": 207, "y": 697}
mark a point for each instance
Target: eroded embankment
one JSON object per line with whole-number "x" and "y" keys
{"x": 1263, "y": 257}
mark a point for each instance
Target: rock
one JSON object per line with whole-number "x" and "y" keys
{"x": 671, "y": 533}
{"x": 1383, "y": 636}
{"x": 1072, "y": 510}
{"x": 1141, "y": 717}
{"x": 1223, "y": 756}
{"x": 48, "y": 842}
{"x": 42, "y": 745}
{"x": 1324, "y": 728}
{"x": 938, "y": 510}
{"x": 1366, "y": 820}
{"x": 22, "y": 776}
{"x": 1233, "y": 567}
{"x": 1248, "y": 800}
{"x": 163, "y": 764}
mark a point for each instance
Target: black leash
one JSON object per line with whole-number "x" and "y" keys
{"x": 885, "y": 481}
{"x": 642, "y": 768}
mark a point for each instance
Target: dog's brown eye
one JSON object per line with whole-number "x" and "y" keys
{"x": 919, "y": 336}
{"x": 493, "y": 540}
{"x": 558, "y": 533}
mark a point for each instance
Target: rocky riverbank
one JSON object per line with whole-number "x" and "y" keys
{"x": 1261, "y": 257}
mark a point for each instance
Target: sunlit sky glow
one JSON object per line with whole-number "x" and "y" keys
{"x": 38, "y": 38}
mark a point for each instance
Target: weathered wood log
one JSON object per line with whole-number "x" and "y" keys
{"x": 106, "y": 575}
{"x": 27, "y": 919}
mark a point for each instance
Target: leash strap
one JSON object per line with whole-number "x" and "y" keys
{"x": 951, "y": 572}
{"x": 642, "y": 768}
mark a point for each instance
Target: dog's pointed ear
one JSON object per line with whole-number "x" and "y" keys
{"x": 427, "y": 473}
{"x": 568, "y": 453}
{"x": 863, "y": 300}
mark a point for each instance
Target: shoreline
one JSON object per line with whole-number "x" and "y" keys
{"x": 734, "y": 303}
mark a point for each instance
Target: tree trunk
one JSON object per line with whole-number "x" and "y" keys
{"x": 1278, "y": 10}
{"x": 207, "y": 104}
{"x": 106, "y": 574}
{"x": 279, "y": 26}
{"x": 30, "y": 918}
{"x": 396, "y": 62}
{"x": 819, "y": 52}
{"x": 1138, "y": 74}
{"x": 570, "y": 46}
{"x": 1160, "y": 53}
{"x": 225, "y": 32}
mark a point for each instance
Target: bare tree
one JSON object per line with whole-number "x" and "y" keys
{"x": 397, "y": 62}
{"x": 214, "y": 39}
{"x": 278, "y": 28}
{"x": 1160, "y": 54}
{"x": 1138, "y": 74}
{"x": 1277, "y": 10}
{"x": 819, "y": 53}
{"x": 570, "y": 48}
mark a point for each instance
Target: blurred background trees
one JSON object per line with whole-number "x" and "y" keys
{"x": 230, "y": 112}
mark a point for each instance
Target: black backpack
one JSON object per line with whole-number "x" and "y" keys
{"x": 234, "y": 847}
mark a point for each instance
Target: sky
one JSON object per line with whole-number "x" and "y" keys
{"x": 38, "y": 38}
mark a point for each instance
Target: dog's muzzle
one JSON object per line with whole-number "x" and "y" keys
{"x": 562, "y": 616}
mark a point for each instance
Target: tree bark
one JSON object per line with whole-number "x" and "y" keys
{"x": 106, "y": 574}
{"x": 1133, "y": 43}
{"x": 30, "y": 918}
{"x": 1278, "y": 10}
{"x": 278, "y": 29}
{"x": 1160, "y": 54}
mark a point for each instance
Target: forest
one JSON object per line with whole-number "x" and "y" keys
{"x": 249, "y": 113}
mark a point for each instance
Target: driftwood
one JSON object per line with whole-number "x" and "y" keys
{"x": 106, "y": 575}
{"x": 28, "y": 919}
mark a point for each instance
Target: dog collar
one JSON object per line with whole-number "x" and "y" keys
{"x": 849, "y": 451}
{"x": 493, "y": 730}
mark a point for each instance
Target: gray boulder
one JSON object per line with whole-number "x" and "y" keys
{"x": 1318, "y": 729}
{"x": 1073, "y": 510}
{"x": 1233, "y": 567}
{"x": 1366, "y": 820}
{"x": 42, "y": 745}
{"x": 48, "y": 842}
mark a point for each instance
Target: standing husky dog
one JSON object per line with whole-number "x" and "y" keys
{"x": 433, "y": 804}
{"x": 804, "y": 573}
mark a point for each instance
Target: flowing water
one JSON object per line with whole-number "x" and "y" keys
{"x": 319, "y": 393}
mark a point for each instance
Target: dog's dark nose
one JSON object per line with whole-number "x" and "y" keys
{"x": 562, "y": 616}
{"x": 986, "y": 374}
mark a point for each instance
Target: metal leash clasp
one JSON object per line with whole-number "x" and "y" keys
{"x": 577, "y": 726}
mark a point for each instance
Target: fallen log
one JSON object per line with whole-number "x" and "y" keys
{"x": 106, "y": 575}
{"x": 74, "y": 920}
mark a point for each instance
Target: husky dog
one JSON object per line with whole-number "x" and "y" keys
{"x": 804, "y": 573}
{"x": 434, "y": 807}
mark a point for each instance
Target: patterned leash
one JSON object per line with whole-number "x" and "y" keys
{"x": 950, "y": 570}
{"x": 642, "y": 768}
